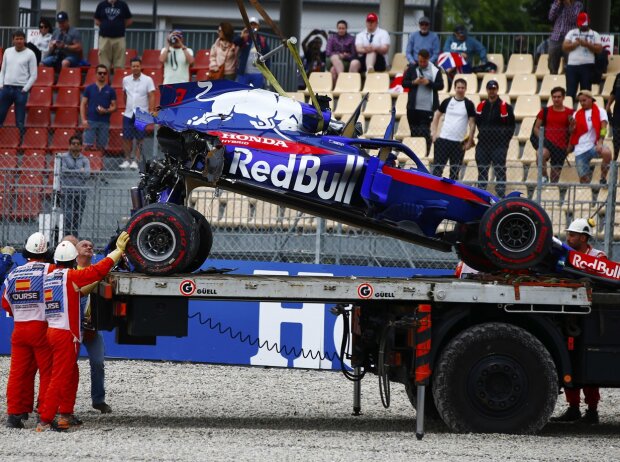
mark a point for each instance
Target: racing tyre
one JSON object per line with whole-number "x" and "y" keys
{"x": 515, "y": 233}
{"x": 469, "y": 251}
{"x": 205, "y": 242}
{"x": 495, "y": 378}
{"x": 163, "y": 239}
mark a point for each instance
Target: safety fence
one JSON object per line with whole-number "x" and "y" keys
{"x": 249, "y": 229}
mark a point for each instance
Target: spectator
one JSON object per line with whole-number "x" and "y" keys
{"x": 457, "y": 131}
{"x": 247, "y": 72}
{"x": 42, "y": 41}
{"x": 314, "y": 56}
{"x": 577, "y": 236}
{"x": 541, "y": 49}
{"x": 98, "y": 102}
{"x": 65, "y": 329}
{"x": 176, "y": 58}
{"x": 112, "y": 17}
{"x": 495, "y": 120}
{"x": 29, "y": 348}
{"x": 423, "y": 39}
{"x": 224, "y": 52}
{"x": 587, "y": 138}
{"x": 372, "y": 46}
{"x": 563, "y": 13}
{"x": 92, "y": 339}
{"x": 66, "y": 45}
{"x": 556, "y": 121}
{"x": 467, "y": 47}
{"x": 341, "y": 51}
{"x": 74, "y": 174}
{"x": 6, "y": 261}
{"x": 581, "y": 44}
{"x": 424, "y": 80}
{"x": 615, "y": 120}
{"x": 17, "y": 75}
{"x": 139, "y": 92}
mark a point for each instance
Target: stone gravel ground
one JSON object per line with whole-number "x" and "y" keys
{"x": 196, "y": 412}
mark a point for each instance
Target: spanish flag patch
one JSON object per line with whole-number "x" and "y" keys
{"x": 48, "y": 294}
{"x": 22, "y": 284}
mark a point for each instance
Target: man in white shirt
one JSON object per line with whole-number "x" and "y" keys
{"x": 457, "y": 131}
{"x": 590, "y": 129}
{"x": 139, "y": 92}
{"x": 17, "y": 75}
{"x": 372, "y": 46}
{"x": 176, "y": 58}
{"x": 581, "y": 44}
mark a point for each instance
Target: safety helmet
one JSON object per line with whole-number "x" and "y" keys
{"x": 36, "y": 243}
{"x": 65, "y": 252}
{"x": 582, "y": 225}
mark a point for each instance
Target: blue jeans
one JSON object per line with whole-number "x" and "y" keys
{"x": 95, "y": 348}
{"x": 99, "y": 131}
{"x": 256, "y": 80}
{"x": 56, "y": 61}
{"x": 10, "y": 94}
{"x": 583, "y": 163}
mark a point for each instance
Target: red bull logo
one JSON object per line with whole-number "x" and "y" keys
{"x": 600, "y": 266}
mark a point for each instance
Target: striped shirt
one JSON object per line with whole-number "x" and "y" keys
{"x": 564, "y": 18}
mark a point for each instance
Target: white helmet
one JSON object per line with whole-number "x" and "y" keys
{"x": 36, "y": 243}
{"x": 65, "y": 252}
{"x": 581, "y": 225}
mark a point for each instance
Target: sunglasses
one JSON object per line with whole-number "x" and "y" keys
{"x": 42, "y": 26}
{"x": 101, "y": 73}
{"x": 424, "y": 24}
{"x": 75, "y": 143}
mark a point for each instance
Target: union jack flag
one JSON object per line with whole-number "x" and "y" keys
{"x": 450, "y": 60}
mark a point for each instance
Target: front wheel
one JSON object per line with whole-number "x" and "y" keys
{"x": 163, "y": 239}
{"x": 515, "y": 233}
{"x": 495, "y": 378}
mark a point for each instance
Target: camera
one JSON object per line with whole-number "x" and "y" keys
{"x": 173, "y": 38}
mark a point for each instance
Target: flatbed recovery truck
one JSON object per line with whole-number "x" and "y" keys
{"x": 485, "y": 354}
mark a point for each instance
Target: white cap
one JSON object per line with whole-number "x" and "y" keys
{"x": 65, "y": 252}
{"x": 36, "y": 243}
{"x": 254, "y": 19}
{"x": 581, "y": 225}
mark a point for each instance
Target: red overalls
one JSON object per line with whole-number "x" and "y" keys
{"x": 62, "y": 310}
{"x": 23, "y": 299}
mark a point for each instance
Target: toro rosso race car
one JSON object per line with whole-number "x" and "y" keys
{"x": 268, "y": 146}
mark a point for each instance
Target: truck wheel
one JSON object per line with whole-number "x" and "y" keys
{"x": 430, "y": 410}
{"x": 163, "y": 239}
{"x": 515, "y": 233}
{"x": 205, "y": 241}
{"x": 495, "y": 378}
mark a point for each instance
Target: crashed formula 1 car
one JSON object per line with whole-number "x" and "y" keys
{"x": 268, "y": 146}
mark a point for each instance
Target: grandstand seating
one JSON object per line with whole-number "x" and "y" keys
{"x": 33, "y": 159}
{"x": 201, "y": 60}
{"x": 378, "y": 82}
{"x": 519, "y": 64}
{"x": 156, "y": 74}
{"x": 403, "y": 130}
{"x": 320, "y": 82}
{"x": 9, "y": 121}
{"x": 67, "y": 97}
{"x": 399, "y": 64}
{"x": 66, "y": 117}
{"x": 613, "y": 66}
{"x": 130, "y": 53}
{"x": 9, "y": 137}
{"x": 60, "y": 139}
{"x": 69, "y": 77}
{"x": 498, "y": 60}
{"x": 150, "y": 58}
{"x": 401, "y": 104}
{"x": 93, "y": 57}
{"x": 116, "y": 119}
{"x": 376, "y": 126}
{"x": 91, "y": 76}
{"x": 472, "y": 83}
{"x": 550, "y": 81}
{"x": 378, "y": 103}
{"x": 347, "y": 103}
{"x": 8, "y": 158}
{"x": 35, "y": 138}
{"x": 119, "y": 75}
{"x": 502, "y": 84}
{"x": 45, "y": 77}
{"x": 40, "y": 97}
{"x": 527, "y": 106}
{"x": 523, "y": 84}
{"x": 525, "y": 130}
{"x": 38, "y": 117}
{"x": 348, "y": 82}
{"x": 28, "y": 196}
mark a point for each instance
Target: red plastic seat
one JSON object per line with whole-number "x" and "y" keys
{"x": 115, "y": 142}
{"x": 119, "y": 75}
{"x": 10, "y": 117}
{"x": 201, "y": 74}
{"x": 93, "y": 57}
{"x": 33, "y": 159}
{"x": 8, "y": 158}
{"x": 40, "y": 97}
{"x": 156, "y": 74}
{"x": 67, "y": 97}
{"x": 60, "y": 139}
{"x": 96, "y": 160}
{"x": 150, "y": 58}
{"x": 66, "y": 117}
{"x": 69, "y": 77}
{"x": 130, "y": 53}
{"x": 35, "y": 138}
{"x": 29, "y": 196}
{"x": 38, "y": 117}
{"x": 91, "y": 76}
{"x": 45, "y": 77}
{"x": 201, "y": 60}
{"x": 116, "y": 119}
{"x": 9, "y": 137}
{"x": 120, "y": 99}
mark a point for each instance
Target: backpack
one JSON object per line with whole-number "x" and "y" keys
{"x": 533, "y": 138}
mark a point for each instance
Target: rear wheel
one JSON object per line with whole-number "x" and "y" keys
{"x": 495, "y": 378}
{"x": 469, "y": 251}
{"x": 515, "y": 233}
{"x": 163, "y": 239}
{"x": 205, "y": 241}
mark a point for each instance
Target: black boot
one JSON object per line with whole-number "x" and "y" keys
{"x": 571, "y": 414}
{"x": 590, "y": 417}
{"x": 14, "y": 421}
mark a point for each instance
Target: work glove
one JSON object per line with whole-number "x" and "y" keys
{"x": 7, "y": 250}
{"x": 121, "y": 245}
